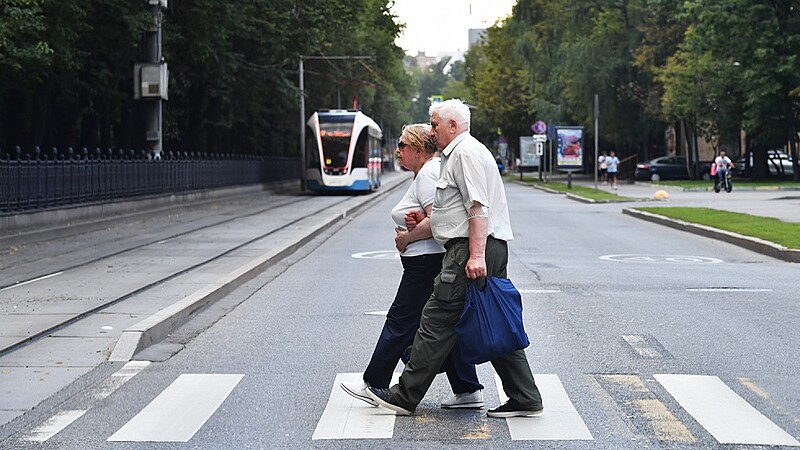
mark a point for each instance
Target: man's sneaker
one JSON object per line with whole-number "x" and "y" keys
{"x": 512, "y": 409}
{"x": 465, "y": 400}
{"x": 384, "y": 397}
{"x": 359, "y": 391}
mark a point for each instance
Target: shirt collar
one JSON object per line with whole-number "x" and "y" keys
{"x": 452, "y": 145}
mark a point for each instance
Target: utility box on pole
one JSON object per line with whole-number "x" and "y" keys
{"x": 150, "y": 80}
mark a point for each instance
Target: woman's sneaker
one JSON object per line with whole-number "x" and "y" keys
{"x": 465, "y": 400}
{"x": 359, "y": 391}
{"x": 512, "y": 409}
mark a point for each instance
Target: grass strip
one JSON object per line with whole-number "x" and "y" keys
{"x": 770, "y": 229}
{"x": 585, "y": 192}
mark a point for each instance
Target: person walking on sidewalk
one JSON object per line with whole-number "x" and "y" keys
{"x": 612, "y": 164}
{"x": 602, "y": 167}
{"x": 421, "y": 257}
{"x": 470, "y": 218}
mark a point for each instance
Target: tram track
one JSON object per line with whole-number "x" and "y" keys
{"x": 137, "y": 246}
{"x": 49, "y": 330}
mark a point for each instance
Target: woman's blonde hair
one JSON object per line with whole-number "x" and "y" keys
{"x": 418, "y": 135}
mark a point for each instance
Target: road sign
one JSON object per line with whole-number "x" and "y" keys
{"x": 539, "y": 149}
{"x": 539, "y": 127}
{"x": 539, "y": 138}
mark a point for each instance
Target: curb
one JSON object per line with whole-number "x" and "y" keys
{"x": 159, "y": 325}
{"x": 750, "y": 243}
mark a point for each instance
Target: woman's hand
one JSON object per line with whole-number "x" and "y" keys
{"x": 412, "y": 218}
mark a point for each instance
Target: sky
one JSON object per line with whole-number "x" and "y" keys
{"x": 440, "y": 26}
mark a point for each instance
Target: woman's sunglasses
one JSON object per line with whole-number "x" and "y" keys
{"x": 401, "y": 144}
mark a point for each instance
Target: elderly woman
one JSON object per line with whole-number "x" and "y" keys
{"x": 422, "y": 261}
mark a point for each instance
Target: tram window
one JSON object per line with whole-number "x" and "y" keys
{"x": 360, "y": 156}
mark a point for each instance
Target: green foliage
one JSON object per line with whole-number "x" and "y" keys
{"x": 718, "y": 66}
{"x": 67, "y": 71}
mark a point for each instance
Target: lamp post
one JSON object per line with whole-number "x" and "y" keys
{"x": 303, "y": 108}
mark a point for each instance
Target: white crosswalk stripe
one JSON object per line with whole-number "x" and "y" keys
{"x": 61, "y": 420}
{"x": 560, "y": 421}
{"x": 727, "y": 416}
{"x": 192, "y": 397}
{"x": 348, "y": 418}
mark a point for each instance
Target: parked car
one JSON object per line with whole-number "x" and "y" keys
{"x": 778, "y": 163}
{"x": 668, "y": 168}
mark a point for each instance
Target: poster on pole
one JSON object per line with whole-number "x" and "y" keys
{"x": 527, "y": 152}
{"x": 569, "y": 155}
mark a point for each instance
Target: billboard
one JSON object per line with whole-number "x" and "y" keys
{"x": 527, "y": 152}
{"x": 570, "y": 148}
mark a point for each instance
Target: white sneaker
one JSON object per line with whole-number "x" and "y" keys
{"x": 465, "y": 400}
{"x": 359, "y": 391}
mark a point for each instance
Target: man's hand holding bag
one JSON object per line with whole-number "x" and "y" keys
{"x": 491, "y": 324}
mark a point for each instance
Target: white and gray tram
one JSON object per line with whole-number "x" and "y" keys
{"x": 343, "y": 151}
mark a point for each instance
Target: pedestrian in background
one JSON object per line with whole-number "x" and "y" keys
{"x": 602, "y": 167}
{"x": 421, "y": 257}
{"x": 470, "y": 218}
{"x": 612, "y": 164}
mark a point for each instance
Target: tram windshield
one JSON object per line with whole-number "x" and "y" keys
{"x": 335, "y": 143}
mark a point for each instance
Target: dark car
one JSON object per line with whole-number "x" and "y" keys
{"x": 668, "y": 168}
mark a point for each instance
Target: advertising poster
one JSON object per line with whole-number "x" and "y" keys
{"x": 570, "y": 148}
{"x": 527, "y": 152}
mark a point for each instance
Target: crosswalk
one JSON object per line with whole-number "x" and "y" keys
{"x": 712, "y": 405}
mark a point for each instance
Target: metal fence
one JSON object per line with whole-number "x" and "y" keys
{"x": 58, "y": 178}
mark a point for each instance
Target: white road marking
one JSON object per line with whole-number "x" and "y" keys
{"x": 659, "y": 259}
{"x": 31, "y": 281}
{"x": 642, "y": 346}
{"x": 346, "y": 417}
{"x": 380, "y": 254}
{"x": 61, "y": 420}
{"x": 120, "y": 377}
{"x": 54, "y": 425}
{"x": 727, "y": 416}
{"x": 559, "y": 421}
{"x": 191, "y": 397}
{"x": 376, "y": 313}
{"x": 539, "y": 291}
{"x": 723, "y": 289}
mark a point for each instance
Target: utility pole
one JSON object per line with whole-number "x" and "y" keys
{"x": 301, "y": 75}
{"x": 596, "y": 117}
{"x": 151, "y": 80}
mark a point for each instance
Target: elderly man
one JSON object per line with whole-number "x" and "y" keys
{"x": 470, "y": 218}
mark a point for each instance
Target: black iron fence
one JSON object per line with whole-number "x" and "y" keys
{"x": 44, "y": 179}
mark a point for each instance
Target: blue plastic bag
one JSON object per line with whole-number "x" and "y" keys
{"x": 491, "y": 324}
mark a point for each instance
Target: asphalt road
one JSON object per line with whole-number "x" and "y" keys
{"x": 641, "y": 337}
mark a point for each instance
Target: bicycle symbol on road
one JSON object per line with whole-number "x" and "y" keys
{"x": 666, "y": 259}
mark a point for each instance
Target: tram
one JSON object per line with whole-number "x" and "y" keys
{"x": 343, "y": 151}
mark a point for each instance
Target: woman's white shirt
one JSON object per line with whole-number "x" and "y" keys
{"x": 419, "y": 195}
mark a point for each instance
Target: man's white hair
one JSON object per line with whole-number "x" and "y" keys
{"x": 453, "y": 109}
